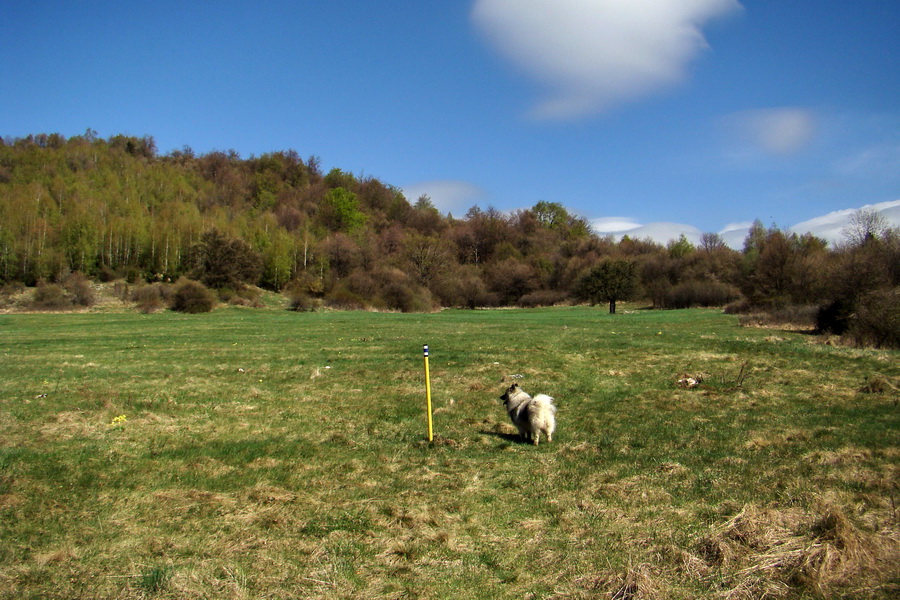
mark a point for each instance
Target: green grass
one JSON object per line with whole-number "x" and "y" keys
{"x": 265, "y": 453}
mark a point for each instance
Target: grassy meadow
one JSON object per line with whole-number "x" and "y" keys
{"x": 260, "y": 453}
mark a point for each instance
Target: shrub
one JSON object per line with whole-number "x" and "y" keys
{"x": 50, "y": 296}
{"x": 106, "y": 274}
{"x": 474, "y": 293}
{"x": 130, "y": 273}
{"x": 792, "y": 316}
{"x": 342, "y": 298}
{"x": 226, "y": 294}
{"x": 121, "y": 290}
{"x": 300, "y": 301}
{"x": 245, "y": 296}
{"x": 406, "y": 298}
{"x": 834, "y": 317}
{"x": 9, "y": 291}
{"x": 738, "y": 307}
{"x": 192, "y": 297}
{"x": 12, "y": 288}
{"x": 148, "y": 298}
{"x": 307, "y": 282}
{"x": 541, "y": 298}
{"x": 78, "y": 286}
{"x": 877, "y": 319}
{"x": 226, "y": 262}
{"x": 701, "y": 293}
{"x": 300, "y": 294}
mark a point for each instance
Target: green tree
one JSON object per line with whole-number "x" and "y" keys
{"x": 609, "y": 281}
{"x": 550, "y": 214}
{"x": 226, "y": 262}
{"x": 340, "y": 211}
{"x": 680, "y": 248}
{"x": 278, "y": 253}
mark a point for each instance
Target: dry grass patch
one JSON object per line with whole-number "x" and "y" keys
{"x": 781, "y": 552}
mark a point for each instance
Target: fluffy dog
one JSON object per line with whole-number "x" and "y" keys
{"x": 532, "y": 416}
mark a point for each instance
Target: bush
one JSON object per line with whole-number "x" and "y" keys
{"x": 877, "y": 319}
{"x": 80, "y": 290}
{"x": 300, "y": 294}
{"x": 308, "y": 283}
{"x": 541, "y": 298}
{"x": 406, "y": 298}
{"x": 106, "y": 274}
{"x": 474, "y": 293}
{"x": 50, "y": 296}
{"x": 13, "y": 288}
{"x": 342, "y": 298}
{"x": 738, "y": 307}
{"x": 698, "y": 293}
{"x": 300, "y": 301}
{"x": 834, "y": 317}
{"x": 792, "y": 316}
{"x": 192, "y": 297}
{"x": 130, "y": 273}
{"x": 9, "y": 291}
{"x": 148, "y": 298}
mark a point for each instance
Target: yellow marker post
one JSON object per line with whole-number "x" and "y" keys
{"x": 428, "y": 394}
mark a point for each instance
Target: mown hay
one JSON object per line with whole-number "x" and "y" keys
{"x": 774, "y": 553}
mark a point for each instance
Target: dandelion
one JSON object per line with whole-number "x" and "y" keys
{"x": 120, "y": 420}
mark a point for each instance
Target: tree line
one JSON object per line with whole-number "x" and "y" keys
{"x": 117, "y": 208}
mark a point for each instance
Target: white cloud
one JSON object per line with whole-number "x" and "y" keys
{"x": 659, "y": 232}
{"x": 830, "y": 227}
{"x": 595, "y": 54}
{"x": 447, "y": 195}
{"x": 776, "y": 131}
{"x": 613, "y": 224}
{"x": 734, "y": 234}
{"x": 742, "y": 226}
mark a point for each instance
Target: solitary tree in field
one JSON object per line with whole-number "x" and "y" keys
{"x": 609, "y": 281}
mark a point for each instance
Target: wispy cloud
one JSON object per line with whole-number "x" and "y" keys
{"x": 877, "y": 160}
{"x": 828, "y": 227}
{"x": 447, "y": 195}
{"x": 614, "y": 224}
{"x": 773, "y": 131}
{"x": 593, "y": 55}
{"x": 831, "y": 227}
{"x": 659, "y": 232}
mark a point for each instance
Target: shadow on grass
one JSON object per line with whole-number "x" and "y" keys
{"x": 513, "y": 438}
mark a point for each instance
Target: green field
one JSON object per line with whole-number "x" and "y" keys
{"x": 260, "y": 453}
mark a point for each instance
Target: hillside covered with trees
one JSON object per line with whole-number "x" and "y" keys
{"x": 116, "y": 209}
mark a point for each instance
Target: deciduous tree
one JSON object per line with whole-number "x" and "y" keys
{"x": 609, "y": 281}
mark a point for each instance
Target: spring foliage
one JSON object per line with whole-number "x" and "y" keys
{"x": 115, "y": 208}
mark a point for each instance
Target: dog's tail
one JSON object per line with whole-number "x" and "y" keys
{"x": 545, "y": 400}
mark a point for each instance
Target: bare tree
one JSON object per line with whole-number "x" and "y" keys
{"x": 865, "y": 224}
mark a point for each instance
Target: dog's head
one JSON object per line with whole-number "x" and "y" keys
{"x": 510, "y": 392}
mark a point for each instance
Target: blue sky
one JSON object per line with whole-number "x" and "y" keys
{"x": 674, "y": 115}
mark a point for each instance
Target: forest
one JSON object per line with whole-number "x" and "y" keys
{"x": 116, "y": 209}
